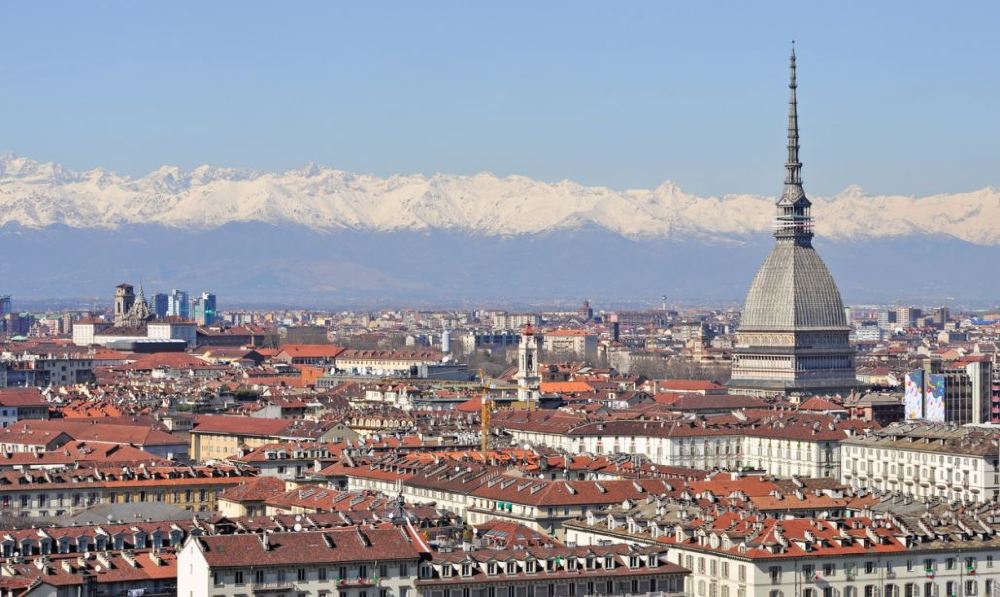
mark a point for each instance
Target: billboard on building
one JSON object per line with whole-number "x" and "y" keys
{"x": 913, "y": 395}
{"x": 934, "y": 397}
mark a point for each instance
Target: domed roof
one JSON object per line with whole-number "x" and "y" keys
{"x": 793, "y": 290}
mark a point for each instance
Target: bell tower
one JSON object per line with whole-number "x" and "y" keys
{"x": 528, "y": 380}
{"x": 124, "y": 299}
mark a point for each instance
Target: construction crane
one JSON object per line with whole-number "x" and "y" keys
{"x": 486, "y": 410}
{"x": 485, "y": 413}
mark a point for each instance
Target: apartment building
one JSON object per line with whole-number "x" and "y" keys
{"x": 968, "y": 388}
{"x": 551, "y": 570}
{"x": 149, "y": 573}
{"x": 322, "y": 355}
{"x": 17, "y": 404}
{"x": 580, "y": 344}
{"x": 403, "y": 362}
{"x": 288, "y": 460}
{"x": 480, "y": 493}
{"x": 739, "y": 554}
{"x": 145, "y": 437}
{"x": 515, "y": 321}
{"x": 43, "y": 493}
{"x": 781, "y": 443}
{"x": 926, "y": 460}
{"x": 354, "y": 562}
{"x": 224, "y": 436}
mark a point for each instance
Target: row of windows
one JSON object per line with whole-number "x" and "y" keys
{"x": 98, "y": 543}
{"x": 714, "y": 568}
{"x": 929, "y": 589}
{"x": 929, "y": 565}
{"x": 531, "y": 566}
{"x": 280, "y": 575}
{"x": 921, "y": 456}
{"x": 572, "y": 589}
{"x": 403, "y": 592}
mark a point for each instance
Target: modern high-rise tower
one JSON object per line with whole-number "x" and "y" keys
{"x": 203, "y": 309}
{"x": 793, "y": 335}
{"x": 161, "y": 303}
{"x": 178, "y": 304}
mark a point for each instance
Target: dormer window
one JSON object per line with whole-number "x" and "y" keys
{"x": 633, "y": 561}
{"x": 531, "y": 566}
{"x": 491, "y": 568}
{"x": 591, "y": 562}
{"x": 609, "y": 562}
{"x": 446, "y": 571}
{"x": 571, "y": 563}
{"x": 511, "y": 567}
{"x": 653, "y": 560}
{"x": 466, "y": 569}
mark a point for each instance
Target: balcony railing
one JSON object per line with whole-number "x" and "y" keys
{"x": 280, "y": 585}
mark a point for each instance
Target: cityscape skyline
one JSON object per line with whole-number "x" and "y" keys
{"x": 324, "y": 383}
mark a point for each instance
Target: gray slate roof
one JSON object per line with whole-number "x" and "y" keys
{"x": 793, "y": 290}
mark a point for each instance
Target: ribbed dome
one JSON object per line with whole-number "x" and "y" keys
{"x": 793, "y": 290}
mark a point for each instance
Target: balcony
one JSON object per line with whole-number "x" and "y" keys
{"x": 272, "y": 587}
{"x": 355, "y": 583}
{"x": 653, "y": 594}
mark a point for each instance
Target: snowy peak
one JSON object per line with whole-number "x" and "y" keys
{"x": 38, "y": 194}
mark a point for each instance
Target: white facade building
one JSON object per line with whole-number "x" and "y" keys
{"x": 926, "y": 460}
{"x": 173, "y": 330}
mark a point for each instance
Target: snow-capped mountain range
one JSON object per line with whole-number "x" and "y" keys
{"x": 38, "y": 195}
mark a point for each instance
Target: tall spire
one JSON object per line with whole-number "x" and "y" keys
{"x": 793, "y": 167}
{"x": 794, "y": 220}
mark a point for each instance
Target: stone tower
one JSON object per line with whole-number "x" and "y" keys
{"x": 528, "y": 380}
{"x": 793, "y": 335}
{"x": 124, "y": 300}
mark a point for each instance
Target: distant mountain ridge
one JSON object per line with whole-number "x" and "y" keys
{"x": 38, "y": 195}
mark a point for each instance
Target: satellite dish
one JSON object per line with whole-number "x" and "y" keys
{"x": 298, "y": 517}
{"x": 297, "y": 527}
{"x": 97, "y": 568}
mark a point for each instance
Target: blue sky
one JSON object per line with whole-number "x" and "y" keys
{"x": 898, "y": 97}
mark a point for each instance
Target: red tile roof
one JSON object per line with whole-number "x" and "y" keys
{"x": 314, "y": 547}
{"x": 311, "y": 351}
{"x": 17, "y": 397}
{"x": 90, "y": 430}
{"x": 688, "y": 385}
